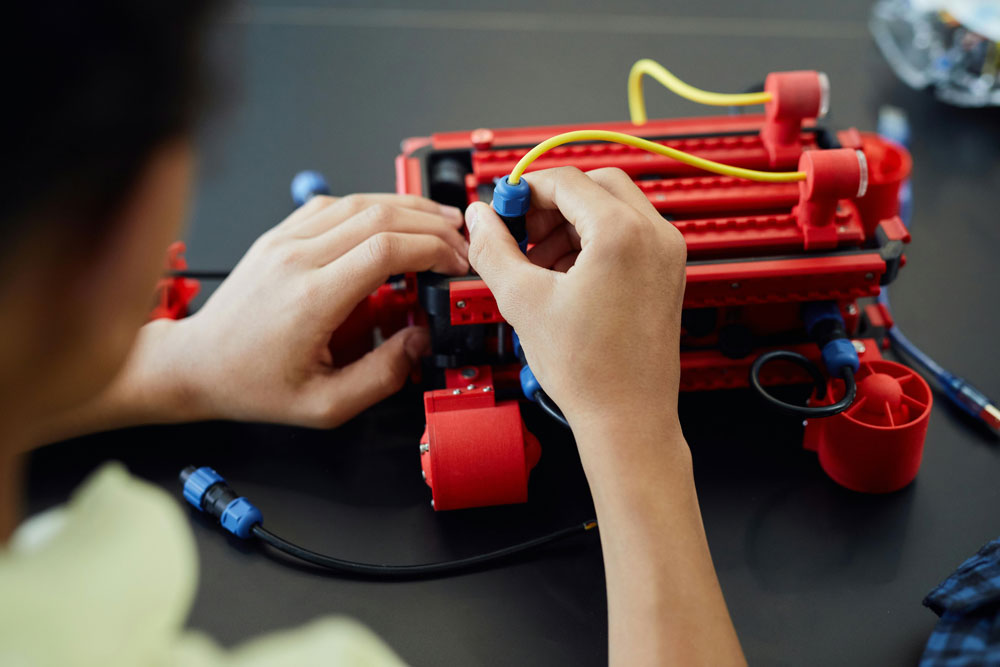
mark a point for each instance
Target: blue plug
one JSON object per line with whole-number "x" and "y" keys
{"x": 825, "y": 325}
{"x": 306, "y": 185}
{"x": 208, "y": 491}
{"x": 511, "y": 203}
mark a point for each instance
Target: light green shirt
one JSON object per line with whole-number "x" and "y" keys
{"x": 108, "y": 580}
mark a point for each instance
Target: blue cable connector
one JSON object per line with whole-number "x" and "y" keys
{"x": 825, "y": 324}
{"x": 306, "y": 185}
{"x": 206, "y": 490}
{"x": 511, "y": 202}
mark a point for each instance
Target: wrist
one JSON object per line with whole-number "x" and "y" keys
{"x": 624, "y": 447}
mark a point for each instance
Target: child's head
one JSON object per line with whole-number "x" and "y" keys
{"x": 101, "y": 100}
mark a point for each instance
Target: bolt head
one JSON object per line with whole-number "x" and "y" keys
{"x": 424, "y": 447}
{"x": 456, "y": 392}
{"x": 423, "y": 474}
{"x": 869, "y": 276}
{"x": 859, "y": 346}
{"x": 487, "y": 389}
{"x": 852, "y": 309}
{"x": 471, "y": 387}
{"x": 469, "y": 373}
{"x": 432, "y": 504}
{"x": 460, "y": 304}
{"x": 734, "y": 285}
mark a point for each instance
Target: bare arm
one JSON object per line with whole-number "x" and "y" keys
{"x": 597, "y": 308}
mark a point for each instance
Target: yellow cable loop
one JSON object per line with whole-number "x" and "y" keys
{"x": 652, "y": 147}
{"x": 637, "y": 104}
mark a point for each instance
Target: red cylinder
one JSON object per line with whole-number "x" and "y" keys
{"x": 479, "y": 456}
{"x": 876, "y": 445}
{"x": 888, "y": 166}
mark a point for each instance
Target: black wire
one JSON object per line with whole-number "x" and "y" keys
{"x": 818, "y": 380}
{"x": 426, "y": 570}
{"x": 199, "y": 275}
{"x": 550, "y": 408}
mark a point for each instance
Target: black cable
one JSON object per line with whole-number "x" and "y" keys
{"x": 199, "y": 275}
{"x": 820, "y": 383}
{"x": 426, "y": 570}
{"x": 550, "y": 408}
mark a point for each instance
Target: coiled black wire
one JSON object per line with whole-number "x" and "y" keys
{"x": 422, "y": 571}
{"x": 819, "y": 382}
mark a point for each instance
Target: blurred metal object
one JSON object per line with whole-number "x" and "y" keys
{"x": 951, "y": 46}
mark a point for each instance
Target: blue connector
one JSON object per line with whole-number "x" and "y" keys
{"x": 511, "y": 202}
{"x": 306, "y": 185}
{"x": 529, "y": 384}
{"x": 208, "y": 491}
{"x": 825, "y": 325}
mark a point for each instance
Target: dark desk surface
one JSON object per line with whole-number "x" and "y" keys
{"x": 813, "y": 574}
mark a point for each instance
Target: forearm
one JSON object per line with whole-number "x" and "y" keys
{"x": 665, "y": 605}
{"x": 154, "y": 387}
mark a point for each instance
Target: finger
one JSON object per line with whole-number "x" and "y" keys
{"x": 566, "y": 262}
{"x": 340, "y": 209}
{"x": 383, "y": 218}
{"x": 315, "y": 204}
{"x": 542, "y": 222}
{"x": 621, "y": 185}
{"x": 375, "y": 376}
{"x": 359, "y": 271}
{"x": 517, "y": 284}
{"x": 561, "y": 241}
{"x": 582, "y": 202}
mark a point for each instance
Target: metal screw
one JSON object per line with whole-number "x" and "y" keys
{"x": 487, "y": 389}
{"x": 859, "y": 346}
{"x": 469, "y": 373}
{"x": 432, "y": 504}
{"x": 842, "y": 229}
{"x": 734, "y": 285}
{"x": 471, "y": 387}
{"x": 852, "y": 309}
{"x": 456, "y": 392}
{"x": 423, "y": 474}
{"x": 869, "y": 275}
{"x": 424, "y": 447}
{"x": 460, "y": 304}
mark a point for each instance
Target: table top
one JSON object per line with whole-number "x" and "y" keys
{"x": 812, "y": 573}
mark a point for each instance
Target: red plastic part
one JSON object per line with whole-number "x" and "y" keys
{"x": 795, "y": 97}
{"x": 475, "y": 452}
{"x": 831, "y": 175}
{"x": 876, "y": 445}
{"x": 174, "y": 295}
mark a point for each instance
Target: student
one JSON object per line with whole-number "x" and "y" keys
{"x": 98, "y": 161}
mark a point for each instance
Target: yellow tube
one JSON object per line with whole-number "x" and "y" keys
{"x": 637, "y": 103}
{"x": 652, "y": 147}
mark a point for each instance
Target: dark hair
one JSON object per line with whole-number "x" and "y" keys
{"x": 92, "y": 88}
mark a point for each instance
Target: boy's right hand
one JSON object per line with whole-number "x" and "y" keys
{"x": 597, "y": 301}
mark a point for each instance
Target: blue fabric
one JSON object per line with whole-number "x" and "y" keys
{"x": 968, "y": 603}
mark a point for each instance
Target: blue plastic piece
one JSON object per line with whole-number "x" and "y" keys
{"x": 306, "y": 185}
{"x": 200, "y": 481}
{"x": 529, "y": 385}
{"x": 817, "y": 311}
{"x": 240, "y": 516}
{"x": 516, "y": 340}
{"x": 838, "y": 353}
{"x": 511, "y": 201}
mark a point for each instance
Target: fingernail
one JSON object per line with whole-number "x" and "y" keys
{"x": 471, "y": 217}
{"x": 451, "y": 212}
